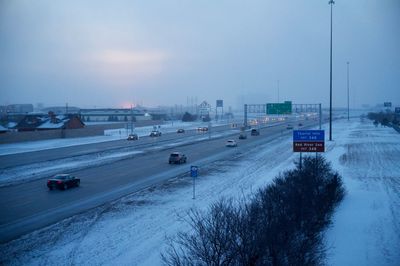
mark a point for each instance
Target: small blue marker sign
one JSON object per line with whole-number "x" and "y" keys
{"x": 193, "y": 171}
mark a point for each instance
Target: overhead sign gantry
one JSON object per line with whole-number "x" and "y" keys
{"x": 285, "y": 108}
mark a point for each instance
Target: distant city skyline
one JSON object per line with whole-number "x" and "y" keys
{"x": 114, "y": 54}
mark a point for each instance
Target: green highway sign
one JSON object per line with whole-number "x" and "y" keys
{"x": 279, "y": 108}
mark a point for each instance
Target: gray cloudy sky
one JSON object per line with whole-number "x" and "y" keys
{"x": 113, "y": 53}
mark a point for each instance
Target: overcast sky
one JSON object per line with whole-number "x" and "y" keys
{"x": 160, "y": 52}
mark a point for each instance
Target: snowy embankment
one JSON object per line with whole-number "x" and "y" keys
{"x": 132, "y": 230}
{"x": 366, "y": 227}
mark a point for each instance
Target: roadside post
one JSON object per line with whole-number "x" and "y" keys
{"x": 320, "y": 116}
{"x": 193, "y": 173}
{"x": 209, "y": 130}
{"x": 308, "y": 141}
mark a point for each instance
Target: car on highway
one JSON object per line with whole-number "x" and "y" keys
{"x": 181, "y": 130}
{"x": 155, "y": 133}
{"x": 177, "y": 157}
{"x": 202, "y": 129}
{"x": 300, "y": 124}
{"x": 242, "y": 135}
{"x": 132, "y": 137}
{"x": 289, "y": 126}
{"x": 231, "y": 143}
{"x": 255, "y": 132}
{"x": 63, "y": 182}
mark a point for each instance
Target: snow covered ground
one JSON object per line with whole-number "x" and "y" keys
{"x": 133, "y": 230}
{"x": 366, "y": 228}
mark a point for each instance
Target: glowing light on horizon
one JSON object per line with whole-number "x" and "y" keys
{"x": 127, "y": 105}
{"x": 124, "y": 68}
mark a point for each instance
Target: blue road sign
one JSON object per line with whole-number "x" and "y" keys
{"x": 308, "y": 135}
{"x": 193, "y": 171}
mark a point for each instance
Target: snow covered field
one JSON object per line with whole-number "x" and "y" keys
{"x": 366, "y": 228}
{"x": 133, "y": 230}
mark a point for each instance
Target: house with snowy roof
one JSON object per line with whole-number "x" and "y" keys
{"x": 37, "y": 122}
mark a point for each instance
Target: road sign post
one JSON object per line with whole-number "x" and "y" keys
{"x": 308, "y": 141}
{"x": 193, "y": 173}
{"x": 209, "y": 130}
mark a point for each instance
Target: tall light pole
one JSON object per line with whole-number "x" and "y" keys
{"x": 331, "y": 2}
{"x": 348, "y": 93}
{"x": 278, "y": 90}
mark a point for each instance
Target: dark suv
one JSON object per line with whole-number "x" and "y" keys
{"x": 255, "y": 132}
{"x": 155, "y": 133}
{"x": 133, "y": 137}
{"x": 177, "y": 157}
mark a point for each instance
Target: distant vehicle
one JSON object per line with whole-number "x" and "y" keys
{"x": 177, "y": 157}
{"x": 255, "y": 132}
{"x": 231, "y": 143}
{"x": 202, "y": 129}
{"x": 155, "y": 133}
{"x": 181, "y": 130}
{"x": 242, "y": 135}
{"x": 289, "y": 126}
{"x": 300, "y": 124}
{"x": 133, "y": 137}
{"x": 63, "y": 182}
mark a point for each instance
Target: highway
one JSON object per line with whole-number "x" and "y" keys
{"x": 29, "y": 206}
{"x": 20, "y": 159}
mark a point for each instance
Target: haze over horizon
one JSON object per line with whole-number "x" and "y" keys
{"x": 114, "y": 54}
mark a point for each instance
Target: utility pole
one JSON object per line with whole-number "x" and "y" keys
{"x": 331, "y": 2}
{"x": 320, "y": 116}
{"x": 131, "y": 119}
{"x": 348, "y": 93}
{"x": 245, "y": 116}
{"x": 278, "y": 90}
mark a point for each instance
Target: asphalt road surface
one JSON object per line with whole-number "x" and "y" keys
{"x": 20, "y": 159}
{"x": 29, "y": 206}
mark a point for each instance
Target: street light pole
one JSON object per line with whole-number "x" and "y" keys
{"x": 278, "y": 90}
{"x": 331, "y": 2}
{"x": 348, "y": 93}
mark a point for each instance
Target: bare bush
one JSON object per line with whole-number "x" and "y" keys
{"x": 280, "y": 225}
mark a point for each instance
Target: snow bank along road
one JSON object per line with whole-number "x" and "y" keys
{"x": 30, "y": 205}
